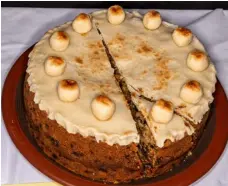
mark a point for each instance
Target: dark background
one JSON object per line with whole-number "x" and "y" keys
{"x": 125, "y": 4}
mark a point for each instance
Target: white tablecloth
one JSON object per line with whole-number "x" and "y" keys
{"x": 22, "y": 27}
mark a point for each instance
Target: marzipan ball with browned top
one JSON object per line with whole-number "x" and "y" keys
{"x": 82, "y": 23}
{"x": 182, "y": 36}
{"x": 197, "y": 61}
{"x": 116, "y": 15}
{"x": 103, "y": 107}
{"x": 152, "y": 20}
{"x": 162, "y": 111}
{"x": 54, "y": 66}
{"x": 59, "y": 41}
{"x": 68, "y": 90}
{"x": 191, "y": 92}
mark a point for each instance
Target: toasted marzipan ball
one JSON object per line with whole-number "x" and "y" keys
{"x": 162, "y": 111}
{"x": 197, "y": 61}
{"x": 182, "y": 36}
{"x": 191, "y": 92}
{"x": 54, "y": 66}
{"x": 102, "y": 107}
{"x": 152, "y": 20}
{"x": 116, "y": 15}
{"x": 68, "y": 90}
{"x": 59, "y": 41}
{"x": 82, "y": 23}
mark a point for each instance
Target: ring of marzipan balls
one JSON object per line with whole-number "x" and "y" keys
{"x": 68, "y": 90}
{"x": 59, "y": 41}
{"x": 182, "y": 36}
{"x": 103, "y": 107}
{"x": 82, "y": 23}
{"x": 116, "y": 15}
{"x": 191, "y": 92}
{"x": 162, "y": 111}
{"x": 152, "y": 20}
{"x": 54, "y": 66}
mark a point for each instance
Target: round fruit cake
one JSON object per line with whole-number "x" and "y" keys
{"x": 116, "y": 96}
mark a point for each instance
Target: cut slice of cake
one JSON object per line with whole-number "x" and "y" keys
{"x": 155, "y": 67}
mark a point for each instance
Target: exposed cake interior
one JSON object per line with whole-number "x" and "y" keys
{"x": 147, "y": 143}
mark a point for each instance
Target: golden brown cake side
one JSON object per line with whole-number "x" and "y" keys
{"x": 84, "y": 156}
{"x": 171, "y": 150}
{"x": 100, "y": 161}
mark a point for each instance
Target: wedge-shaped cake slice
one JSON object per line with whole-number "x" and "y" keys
{"x": 173, "y": 130}
{"x": 155, "y": 67}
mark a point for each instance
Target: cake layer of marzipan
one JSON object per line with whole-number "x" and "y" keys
{"x": 87, "y": 64}
{"x": 153, "y": 65}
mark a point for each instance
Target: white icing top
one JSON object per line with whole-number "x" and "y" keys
{"x": 153, "y": 65}
{"x": 88, "y": 64}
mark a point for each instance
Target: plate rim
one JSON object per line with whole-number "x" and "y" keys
{"x": 64, "y": 177}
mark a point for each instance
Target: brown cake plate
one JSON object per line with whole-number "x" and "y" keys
{"x": 207, "y": 152}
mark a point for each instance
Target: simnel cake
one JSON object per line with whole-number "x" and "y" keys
{"x": 117, "y": 96}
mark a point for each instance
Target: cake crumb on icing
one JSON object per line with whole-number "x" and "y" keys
{"x": 96, "y": 52}
{"x": 181, "y": 106}
{"x": 144, "y": 49}
{"x": 140, "y": 90}
{"x": 95, "y": 45}
{"x": 78, "y": 60}
{"x": 162, "y": 73}
{"x": 117, "y": 40}
{"x": 119, "y": 37}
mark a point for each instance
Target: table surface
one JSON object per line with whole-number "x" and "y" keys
{"x": 22, "y": 27}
